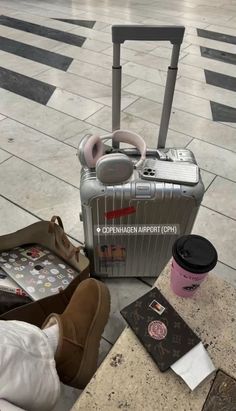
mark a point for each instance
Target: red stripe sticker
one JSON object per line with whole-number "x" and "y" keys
{"x": 119, "y": 213}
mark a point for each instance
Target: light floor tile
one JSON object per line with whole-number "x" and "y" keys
{"x": 154, "y": 12}
{"x": 206, "y": 91}
{"x": 95, "y": 45}
{"x": 29, "y": 17}
{"x": 231, "y": 22}
{"x": 174, "y": 139}
{"x": 3, "y": 154}
{"x": 68, "y": 397}
{"x": 75, "y": 140}
{"x": 99, "y": 25}
{"x": 205, "y": 63}
{"x": 116, "y": 15}
{"x": 207, "y": 178}
{"x": 166, "y": 52}
{"x": 46, "y": 10}
{"x": 39, "y": 192}
{"x": 123, "y": 292}
{"x": 193, "y": 49}
{"x": 182, "y": 101}
{"x": 88, "y": 56}
{"x": 157, "y": 73}
{"x": 13, "y": 218}
{"x": 170, "y": 20}
{"x": 147, "y": 60}
{"x": 38, "y": 116}
{"x": 190, "y": 71}
{"x": 40, "y": 150}
{"x": 147, "y": 130}
{"x": 92, "y": 34}
{"x": 43, "y": 20}
{"x": 213, "y": 11}
{"x": 183, "y": 122}
{"x": 126, "y": 54}
{"x": 145, "y": 73}
{"x": 21, "y": 65}
{"x": 102, "y": 17}
{"x": 214, "y": 159}
{"x": 73, "y": 104}
{"x": 59, "y": 25}
{"x": 83, "y": 87}
{"x": 221, "y": 197}
{"x": 98, "y": 74}
{"x": 29, "y": 38}
{"x": 220, "y": 230}
{"x": 77, "y": 231}
{"x": 142, "y": 46}
{"x": 201, "y": 41}
{"x": 226, "y": 273}
{"x": 222, "y": 29}
{"x": 205, "y": 19}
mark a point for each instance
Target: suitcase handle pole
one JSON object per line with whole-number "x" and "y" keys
{"x": 120, "y": 33}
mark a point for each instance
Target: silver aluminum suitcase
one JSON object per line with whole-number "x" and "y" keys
{"x": 130, "y": 228}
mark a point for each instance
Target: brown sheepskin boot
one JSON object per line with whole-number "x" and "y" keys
{"x": 80, "y": 330}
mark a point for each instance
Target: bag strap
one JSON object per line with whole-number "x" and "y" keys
{"x": 75, "y": 251}
{"x": 55, "y": 219}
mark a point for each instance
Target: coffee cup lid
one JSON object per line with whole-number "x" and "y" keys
{"x": 195, "y": 253}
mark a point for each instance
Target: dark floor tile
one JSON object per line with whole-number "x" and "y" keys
{"x": 216, "y": 36}
{"x": 83, "y": 23}
{"x": 218, "y": 55}
{"x": 35, "y": 53}
{"x": 25, "y": 86}
{"x": 223, "y": 113}
{"x": 43, "y": 31}
{"x": 220, "y": 80}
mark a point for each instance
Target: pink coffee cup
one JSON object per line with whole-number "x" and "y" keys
{"x": 193, "y": 257}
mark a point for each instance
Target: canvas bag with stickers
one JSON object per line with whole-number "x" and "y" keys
{"x": 51, "y": 235}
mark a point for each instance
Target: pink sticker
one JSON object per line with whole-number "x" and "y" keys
{"x": 157, "y": 330}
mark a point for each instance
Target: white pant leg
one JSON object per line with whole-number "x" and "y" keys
{"x": 28, "y": 377}
{"x": 6, "y": 406}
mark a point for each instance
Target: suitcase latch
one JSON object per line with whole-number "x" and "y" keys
{"x": 142, "y": 190}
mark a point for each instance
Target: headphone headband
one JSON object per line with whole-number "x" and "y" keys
{"x": 91, "y": 148}
{"x": 125, "y": 136}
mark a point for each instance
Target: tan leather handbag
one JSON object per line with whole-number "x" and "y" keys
{"x": 51, "y": 235}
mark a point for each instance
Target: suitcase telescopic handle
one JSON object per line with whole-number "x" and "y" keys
{"x": 121, "y": 33}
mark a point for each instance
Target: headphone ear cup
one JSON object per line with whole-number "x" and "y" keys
{"x": 80, "y": 150}
{"x": 90, "y": 149}
{"x": 114, "y": 169}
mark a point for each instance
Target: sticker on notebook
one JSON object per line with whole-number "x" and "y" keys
{"x": 33, "y": 253}
{"x": 157, "y": 307}
{"x": 54, "y": 271}
{"x": 46, "y": 262}
{"x": 157, "y": 330}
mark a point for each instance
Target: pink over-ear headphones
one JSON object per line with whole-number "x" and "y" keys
{"x": 111, "y": 168}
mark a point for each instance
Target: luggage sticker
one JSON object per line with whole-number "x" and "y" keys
{"x": 121, "y": 212}
{"x": 109, "y": 253}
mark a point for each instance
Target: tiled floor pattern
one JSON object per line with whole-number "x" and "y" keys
{"x": 220, "y": 112}
{"x": 55, "y": 86}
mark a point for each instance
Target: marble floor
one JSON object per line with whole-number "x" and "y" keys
{"x": 55, "y": 86}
